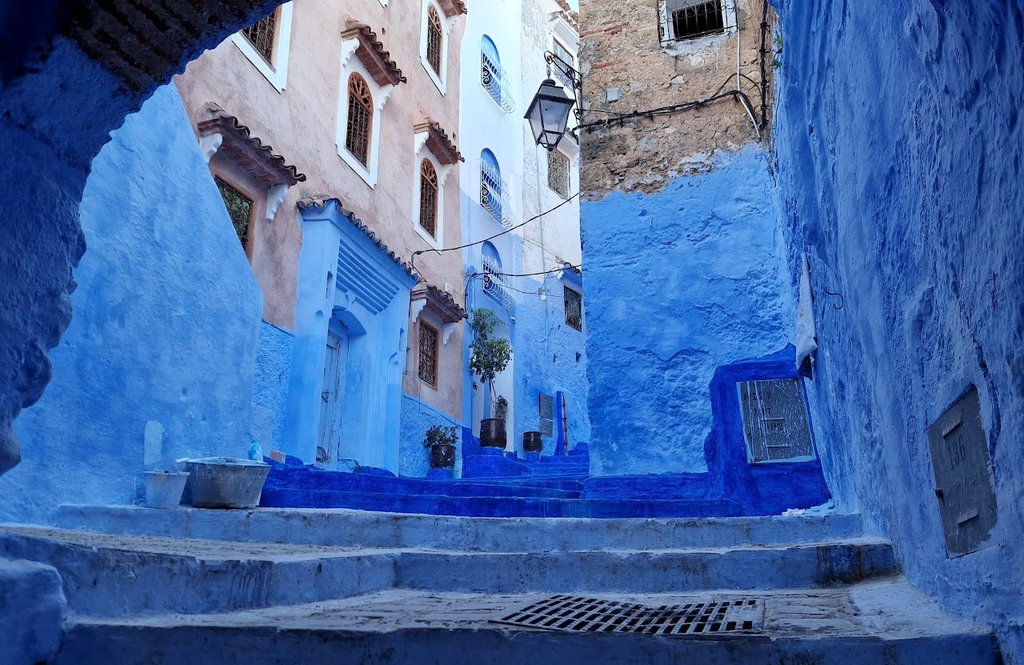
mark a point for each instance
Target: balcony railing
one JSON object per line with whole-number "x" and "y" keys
{"x": 495, "y": 285}
{"x": 494, "y": 195}
{"x": 493, "y": 79}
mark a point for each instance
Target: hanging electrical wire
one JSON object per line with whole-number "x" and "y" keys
{"x": 496, "y": 235}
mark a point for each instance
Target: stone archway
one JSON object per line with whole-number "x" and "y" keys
{"x": 70, "y": 72}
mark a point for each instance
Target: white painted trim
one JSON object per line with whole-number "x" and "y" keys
{"x": 729, "y": 19}
{"x": 440, "y": 82}
{"x": 276, "y": 72}
{"x": 422, "y": 153}
{"x": 275, "y": 197}
{"x": 381, "y": 94}
{"x": 209, "y": 144}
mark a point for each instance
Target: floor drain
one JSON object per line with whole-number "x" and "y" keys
{"x": 578, "y": 614}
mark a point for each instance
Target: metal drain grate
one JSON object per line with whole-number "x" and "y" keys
{"x": 578, "y": 614}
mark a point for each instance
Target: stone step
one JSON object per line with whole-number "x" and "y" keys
{"x": 352, "y": 528}
{"x": 865, "y": 624}
{"x": 115, "y": 575}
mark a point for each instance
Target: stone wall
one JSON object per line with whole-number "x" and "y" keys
{"x": 626, "y": 68}
{"x": 165, "y": 330}
{"x": 679, "y": 283}
{"x": 899, "y": 160}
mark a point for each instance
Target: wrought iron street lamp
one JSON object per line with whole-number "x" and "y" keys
{"x": 549, "y": 111}
{"x": 549, "y": 114}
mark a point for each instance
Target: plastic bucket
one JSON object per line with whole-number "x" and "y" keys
{"x": 163, "y": 488}
{"x": 532, "y": 442}
{"x": 226, "y": 482}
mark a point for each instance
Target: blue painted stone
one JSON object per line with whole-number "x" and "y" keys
{"x": 150, "y": 340}
{"x": 706, "y": 246}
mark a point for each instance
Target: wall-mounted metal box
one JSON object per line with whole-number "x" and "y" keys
{"x": 963, "y": 477}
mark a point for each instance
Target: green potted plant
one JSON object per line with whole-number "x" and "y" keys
{"x": 440, "y": 440}
{"x": 489, "y": 355}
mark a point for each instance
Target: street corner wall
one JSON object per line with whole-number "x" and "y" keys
{"x": 900, "y": 169}
{"x": 679, "y": 282}
{"x": 417, "y": 417}
{"x": 550, "y": 357}
{"x": 270, "y": 386}
{"x": 165, "y": 327}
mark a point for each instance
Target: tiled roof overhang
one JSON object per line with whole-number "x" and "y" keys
{"x": 452, "y": 7}
{"x": 373, "y": 55}
{"x": 323, "y": 202}
{"x": 248, "y": 151}
{"x": 439, "y": 143}
{"x": 440, "y": 303}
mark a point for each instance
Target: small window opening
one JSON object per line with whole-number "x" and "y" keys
{"x": 428, "y": 198}
{"x": 695, "y": 20}
{"x": 261, "y": 35}
{"x": 239, "y": 209}
{"x": 558, "y": 173}
{"x": 435, "y": 37}
{"x": 428, "y": 354}
{"x": 573, "y": 309}
{"x": 360, "y": 119}
{"x": 559, "y": 66}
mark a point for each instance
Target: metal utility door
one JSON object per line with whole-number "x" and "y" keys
{"x": 329, "y": 442}
{"x": 963, "y": 477}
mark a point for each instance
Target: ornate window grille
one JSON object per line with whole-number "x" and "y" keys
{"x": 360, "y": 119}
{"x": 688, "y": 19}
{"x": 428, "y": 198}
{"x": 558, "y": 173}
{"x": 573, "y": 309}
{"x": 435, "y": 38}
{"x": 495, "y": 285}
{"x": 239, "y": 209}
{"x": 428, "y": 354}
{"x": 492, "y": 78}
{"x": 493, "y": 194}
{"x": 261, "y": 35}
{"x": 558, "y": 68}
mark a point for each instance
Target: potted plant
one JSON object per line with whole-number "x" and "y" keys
{"x": 440, "y": 439}
{"x": 489, "y": 355}
{"x": 500, "y": 407}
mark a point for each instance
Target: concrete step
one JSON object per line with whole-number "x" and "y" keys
{"x": 865, "y": 624}
{"x": 353, "y": 528}
{"x": 116, "y": 575}
{"x": 109, "y": 575}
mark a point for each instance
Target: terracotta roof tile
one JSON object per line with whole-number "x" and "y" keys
{"x": 373, "y": 55}
{"x": 248, "y": 151}
{"x": 453, "y": 7}
{"x": 439, "y": 142}
{"x": 440, "y": 303}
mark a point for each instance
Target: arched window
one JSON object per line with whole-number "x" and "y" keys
{"x": 428, "y": 197}
{"x": 490, "y": 184}
{"x": 490, "y": 68}
{"x": 360, "y": 119}
{"x": 435, "y": 40}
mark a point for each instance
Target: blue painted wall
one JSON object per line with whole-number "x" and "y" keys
{"x": 550, "y": 357}
{"x": 165, "y": 327}
{"x": 417, "y": 417}
{"x": 679, "y": 282}
{"x": 270, "y": 386}
{"x": 347, "y": 278}
{"x": 900, "y": 153}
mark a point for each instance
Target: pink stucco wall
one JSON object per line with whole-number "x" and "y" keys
{"x": 300, "y": 123}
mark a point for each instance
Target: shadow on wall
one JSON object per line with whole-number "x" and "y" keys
{"x": 164, "y": 295}
{"x": 59, "y": 106}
